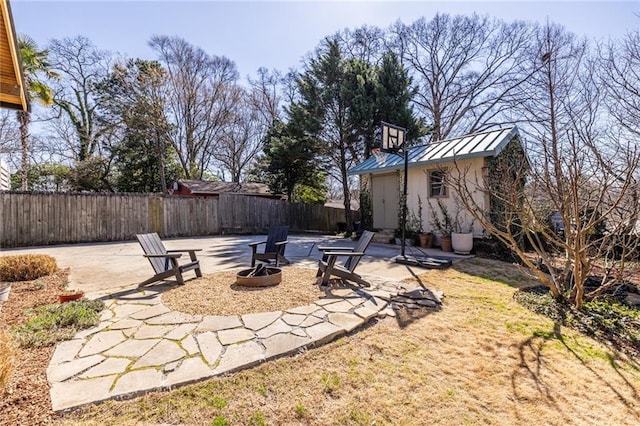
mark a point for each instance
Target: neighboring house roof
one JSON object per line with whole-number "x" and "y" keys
{"x": 203, "y": 187}
{"x": 476, "y": 145}
{"x": 339, "y": 204}
{"x": 13, "y": 93}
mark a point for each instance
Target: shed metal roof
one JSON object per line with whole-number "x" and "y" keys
{"x": 476, "y": 145}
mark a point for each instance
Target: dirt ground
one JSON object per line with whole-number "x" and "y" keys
{"x": 25, "y": 400}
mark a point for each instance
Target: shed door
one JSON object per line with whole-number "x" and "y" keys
{"x": 385, "y": 201}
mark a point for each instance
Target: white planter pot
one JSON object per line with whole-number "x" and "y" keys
{"x": 462, "y": 243}
{"x": 4, "y": 293}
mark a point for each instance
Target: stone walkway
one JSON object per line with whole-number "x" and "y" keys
{"x": 141, "y": 345}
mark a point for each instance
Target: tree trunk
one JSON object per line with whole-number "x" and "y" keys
{"x": 160, "y": 147}
{"x": 24, "y": 117}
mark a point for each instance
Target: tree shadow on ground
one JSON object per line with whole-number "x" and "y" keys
{"x": 533, "y": 370}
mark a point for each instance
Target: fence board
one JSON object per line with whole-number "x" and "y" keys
{"x": 28, "y": 219}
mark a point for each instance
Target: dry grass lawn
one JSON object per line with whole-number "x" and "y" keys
{"x": 482, "y": 359}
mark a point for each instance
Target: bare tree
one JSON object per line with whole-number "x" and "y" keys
{"x": 621, "y": 65}
{"x": 576, "y": 173}
{"x": 240, "y": 140}
{"x": 366, "y": 44}
{"x": 9, "y": 133}
{"x": 200, "y": 106}
{"x": 265, "y": 95}
{"x": 465, "y": 68}
{"x": 80, "y": 66}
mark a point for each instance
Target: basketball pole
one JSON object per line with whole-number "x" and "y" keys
{"x": 404, "y": 199}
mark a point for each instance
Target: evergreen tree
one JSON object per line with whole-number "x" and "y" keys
{"x": 288, "y": 163}
{"x": 133, "y": 97}
{"x": 393, "y": 96}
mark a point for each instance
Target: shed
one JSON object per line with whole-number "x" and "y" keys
{"x": 428, "y": 167}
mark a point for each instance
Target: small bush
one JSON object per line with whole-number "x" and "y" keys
{"x": 6, "y": 359}
{"x": 26, "y": 267}
{"x": 55, "y": 323}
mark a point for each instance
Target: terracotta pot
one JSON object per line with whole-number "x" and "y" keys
{"x": 445, "y": 243}
{"x": 426, "y": 240}
{"x": 67, "y": 297}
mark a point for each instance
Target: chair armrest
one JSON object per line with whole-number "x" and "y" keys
{"x": 168, "y": 255}
{"x": 183, "y": 250}
{"x": 256, "y": 244}
{"x": 342, "y": 253}
{"x": 325, "y": 248}
{"x": 282, "y": 243}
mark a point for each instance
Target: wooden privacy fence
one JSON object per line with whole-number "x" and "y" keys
{"x": 28, "y": 219}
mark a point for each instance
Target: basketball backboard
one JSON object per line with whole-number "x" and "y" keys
{"x": 392, "y": 136}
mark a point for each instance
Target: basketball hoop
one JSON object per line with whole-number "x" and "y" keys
{"x": 381, "y": 157}
{"x": 392, "y": 137}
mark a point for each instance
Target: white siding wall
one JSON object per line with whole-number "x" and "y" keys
{"x": 418, "y": 184}
{"x": 5, "y": 176}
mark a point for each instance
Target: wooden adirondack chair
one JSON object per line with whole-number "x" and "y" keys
{"x": 165, "y": 262}
{"x": 274, "y": 246}
{"x": 327, "y": 266}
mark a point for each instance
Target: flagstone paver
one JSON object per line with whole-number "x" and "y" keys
{"x": 347, "y": 322}
{"x": 190, "y": 345}
{"x": 210, "y": 347}
{"x": 102, "y": 341}
{"x": 242, "y": 354}
{"x": 141, "y": 345}
{"x": 132, "y": 348}
{"x": 109, "y": 367}
{"x": 277, "y": 327}
{"x": 304, "y": 310}
{"x": 261, "y": 320}
{"x": 163, "y": 353}
{"x": 281, "y": 344}
{"x": 65, "y": 370}
{"x": 235, "y": 335}
{"x": 216, "y": 323}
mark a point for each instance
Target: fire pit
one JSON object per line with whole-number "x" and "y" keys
{"x": 259, "y": 277}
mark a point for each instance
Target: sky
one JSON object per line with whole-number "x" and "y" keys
{"x": 278, "y": 34}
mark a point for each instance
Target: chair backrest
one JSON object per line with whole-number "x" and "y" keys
{"x": 152, "y": 244}
{"x": 277, "y": 234}
{"x": 361, "y": 247}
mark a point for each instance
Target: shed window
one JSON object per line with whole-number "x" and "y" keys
{"x": 437, "y": 183}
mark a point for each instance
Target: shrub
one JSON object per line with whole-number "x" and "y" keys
{"x": 6, "y": 359}
{"x": 26, "y": 267}
{"x": 54, "y": 323}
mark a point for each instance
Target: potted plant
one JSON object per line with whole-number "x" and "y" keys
{"x": 462, "y": 237}
{"x": 69, "y": 295}
{"x": 409, "y": 236}
{"x": 443, "y": 222}
{"x": 425, "y": 238}
{"x": 462, "y": 240}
